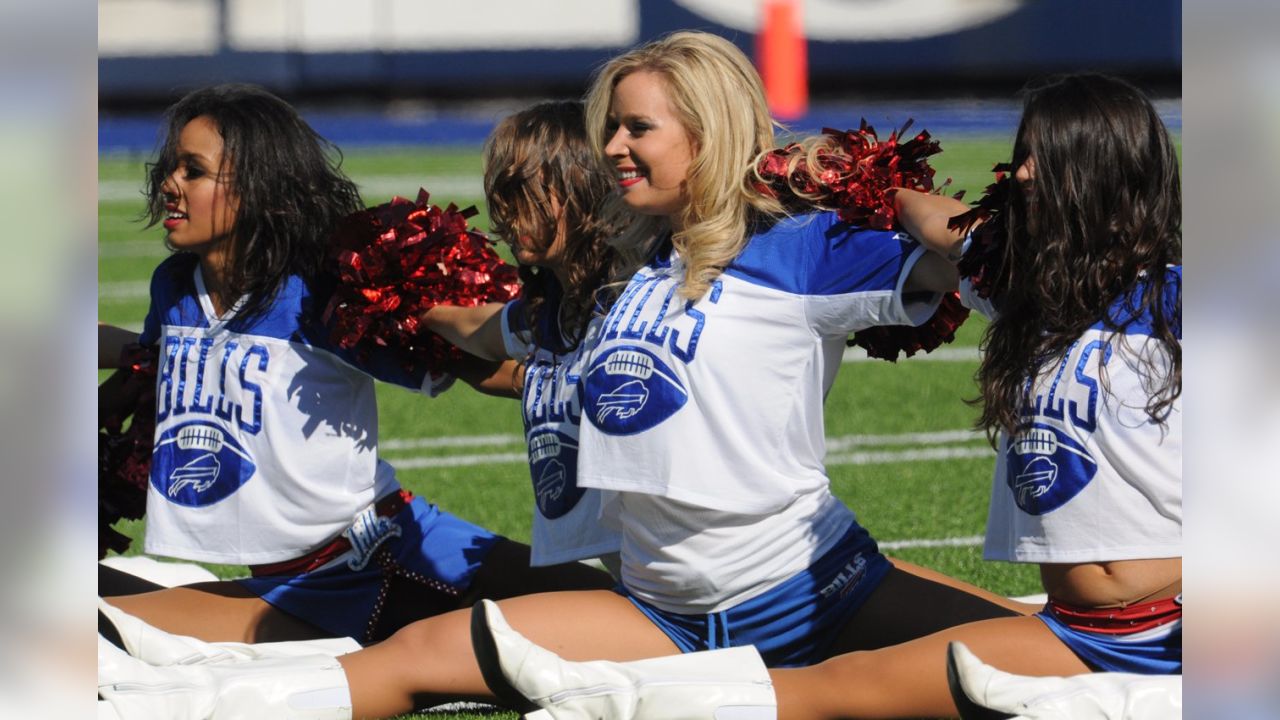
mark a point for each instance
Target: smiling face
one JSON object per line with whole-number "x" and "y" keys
{"x": 198, "y": 197}
{"x": 648, "y": 145}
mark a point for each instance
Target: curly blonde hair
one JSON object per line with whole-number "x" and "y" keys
{"x": 719, "y": 99}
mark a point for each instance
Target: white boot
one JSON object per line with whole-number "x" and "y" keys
{"x": 300, "y": 688}
{"x": 728, "y": 684}
{"x": 982, "y": 691}
{"x": 155, "y": 646}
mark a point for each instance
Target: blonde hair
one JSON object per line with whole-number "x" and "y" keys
{"x": 719, "y": 99}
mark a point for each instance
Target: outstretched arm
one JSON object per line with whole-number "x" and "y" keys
{"x": 476, "y": 330}
{"x": 925, "y": 218}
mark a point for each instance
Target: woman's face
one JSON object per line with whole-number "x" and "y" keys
{"x": 201, "y": 207}
{"x": 649, "y": 146}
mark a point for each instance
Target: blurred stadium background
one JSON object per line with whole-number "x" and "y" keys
{"x": 409, "y": 89}
{"x": 411, "y": 72}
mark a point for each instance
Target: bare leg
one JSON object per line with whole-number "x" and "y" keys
{"x": 912, "y": 602}
{"x": 431, "y": 661}
{"x": 910, "y": 680}
{"x": 928, "y": 574}
{"x": 216, "y": 612}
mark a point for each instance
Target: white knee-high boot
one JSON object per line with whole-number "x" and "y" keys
{"x": 730, "y": 684}
{"x": 299, "y": 688}
{"x": 982, "y": 692}
{"x": 155, "y": 646}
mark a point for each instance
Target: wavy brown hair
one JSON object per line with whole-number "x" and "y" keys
{"x": 1102, "y": 221}
{"x": 287, "y": 179}
{"x": 531, "y": 157}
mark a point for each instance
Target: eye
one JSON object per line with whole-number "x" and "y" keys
{"x": 191, "y": 172}
{"x": 639, "y": 127}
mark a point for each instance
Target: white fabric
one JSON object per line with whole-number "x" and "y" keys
{"x": 688, "y": 559}
{"x": 1094, "y": 480}
{"x": 266, "y": 439}
{"x": 728, "y": 684}
{"x": 718, "y": 405}
{"x": 312, "y": 687}
{"x": 1101, "y": 696}
{"x": 566, "y": 525}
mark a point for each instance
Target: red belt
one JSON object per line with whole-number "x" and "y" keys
{"x": 1119, "y": 621}
{"x": 388, "y": 506}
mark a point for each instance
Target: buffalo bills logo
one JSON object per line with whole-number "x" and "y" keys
{"x": 629, "y": 390}
{"x": 553, "y": 464}
{"x": 197, "y": 464}
{"x": 1046, "y": 468}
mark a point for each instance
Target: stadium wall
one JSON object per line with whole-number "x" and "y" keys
{"x": 151, "y": 50}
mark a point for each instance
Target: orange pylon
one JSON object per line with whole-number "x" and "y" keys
{"x": 782, "y": 58}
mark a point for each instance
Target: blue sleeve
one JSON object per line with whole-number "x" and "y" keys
{"x": 819, "y": 255}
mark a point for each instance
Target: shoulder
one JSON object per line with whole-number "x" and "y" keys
{"x": 818, "y": 254}
{"x": 1133, "y": 311}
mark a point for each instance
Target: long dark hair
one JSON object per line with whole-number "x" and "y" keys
{"x": 285, "y": 177}
{"x": 537, "y": 154}
{"x": 1101, "y": 223}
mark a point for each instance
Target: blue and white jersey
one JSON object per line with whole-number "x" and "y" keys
{"x": 706, "y": 417}
{"x": 1092, "y": 479}
{"x": 266, "y": 434}
{"x": 566, "y": 516}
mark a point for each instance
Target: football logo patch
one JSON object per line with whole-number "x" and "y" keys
{"x": 197, "y": 464}
{"x": 1046, "y": 468}
{"x": 553, "y": 467}
{"x": 629, "y": 390}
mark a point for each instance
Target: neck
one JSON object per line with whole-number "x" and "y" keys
{"x": 213, "y": 272}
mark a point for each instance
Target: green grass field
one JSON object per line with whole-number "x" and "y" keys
{"x": 898, "y": 451}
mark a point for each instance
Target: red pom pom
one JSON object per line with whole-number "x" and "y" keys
{"x": 984, "y": 258}
{"x": 857, "y": 183}
{"x": 394, "y": 262}
{"x": 886, "y": 341}
{"x": 124, "y": 454}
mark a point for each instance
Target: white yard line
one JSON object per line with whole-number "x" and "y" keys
{"x": 942, "y": 451}
{"x": 970, "y": 541}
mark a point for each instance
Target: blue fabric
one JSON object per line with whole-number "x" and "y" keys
{"x": 795, "y": 623}
{"x": 434, "y": 545}
{"x": 1120, "y": 653}
{"x": 816, "y": 254}
{"x": 292, "y": 316}
{"x": 1128, "y": 310}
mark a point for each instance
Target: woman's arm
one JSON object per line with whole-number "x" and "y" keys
{"x": 500, "y": 379}
{"x": 476, "y": 330}
{"x": 925, "y": 218}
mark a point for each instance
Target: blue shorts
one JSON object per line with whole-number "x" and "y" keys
{"x": 419, "y": 571}
{"x": 795, "y": 623}
{"x": 1153, "y": 652}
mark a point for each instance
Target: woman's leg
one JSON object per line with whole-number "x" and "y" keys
{"x": 431, "y": 661}
{"x": 216, "y": 612}
{"x": 910, "y": 680}
{"x": 921, "y": 571}
{"x": 912, "y": 602}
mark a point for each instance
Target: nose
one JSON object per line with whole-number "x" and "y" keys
{"x": 616, "y": 148}
{"x": 1026, "y": 172}
{"x": 169, "y": 187}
